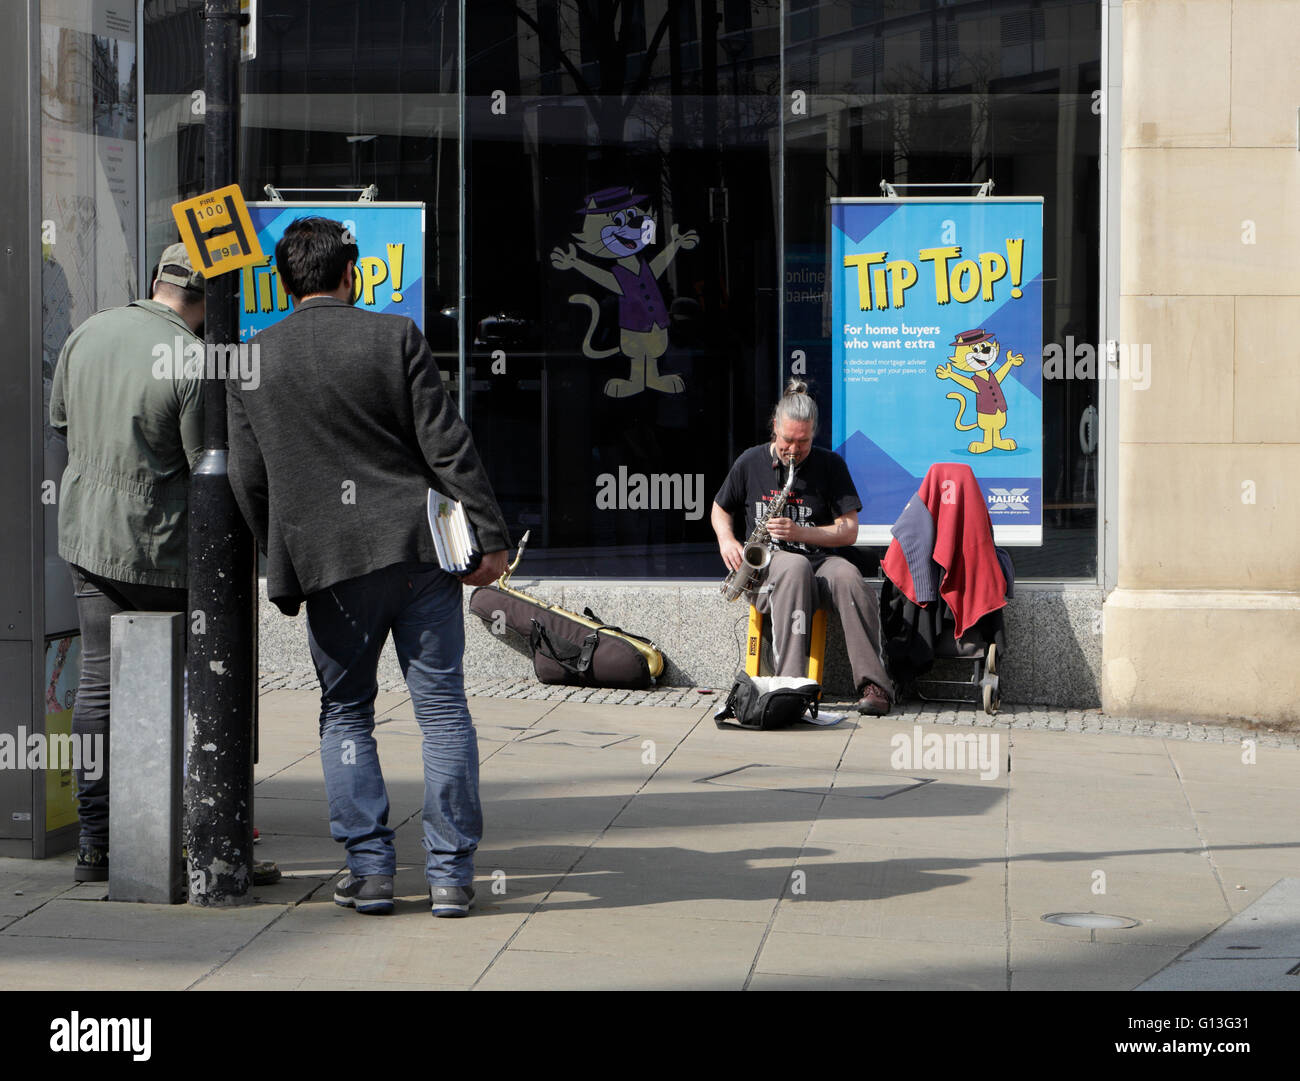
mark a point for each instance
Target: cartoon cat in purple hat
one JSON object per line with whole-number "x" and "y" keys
{"x": 617, "y": 227}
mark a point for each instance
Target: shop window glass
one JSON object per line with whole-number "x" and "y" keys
{"x": 608, "y": 427}
{"x": 921, "y": 91}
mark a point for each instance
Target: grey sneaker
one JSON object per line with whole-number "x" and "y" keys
{"x": 451, "y": 900}
{"x": 371, "y": 895}
{"x": 265, "y": 872}
{"x": 92, "y": 864}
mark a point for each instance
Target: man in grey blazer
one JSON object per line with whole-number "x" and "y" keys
{"x": 332, "y": 455}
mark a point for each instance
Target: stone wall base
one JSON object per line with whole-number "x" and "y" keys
{"x": 1176, "y": 654}
{"x": 1053, "y": 633}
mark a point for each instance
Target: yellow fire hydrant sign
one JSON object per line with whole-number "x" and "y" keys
{"x": 217, "y": 231}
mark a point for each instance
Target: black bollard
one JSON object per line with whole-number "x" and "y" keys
{"x": 220, "y": 662}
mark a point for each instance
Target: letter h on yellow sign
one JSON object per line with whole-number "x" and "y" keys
{"x": 217, "y": 231}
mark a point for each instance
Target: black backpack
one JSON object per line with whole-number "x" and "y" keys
{"x": 768, "y": 701}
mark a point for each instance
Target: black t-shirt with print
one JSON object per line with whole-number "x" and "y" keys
{"x": 823, "y": 490}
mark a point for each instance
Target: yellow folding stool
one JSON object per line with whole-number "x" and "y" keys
{"x": 816, "y": 645}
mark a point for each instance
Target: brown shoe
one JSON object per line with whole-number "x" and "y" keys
{"x": 874, "y": 702}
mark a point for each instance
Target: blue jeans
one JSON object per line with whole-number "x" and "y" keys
{"x": 347, "y": 625}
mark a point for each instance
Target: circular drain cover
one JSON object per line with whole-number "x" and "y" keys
{"x": 1090, "y": 919}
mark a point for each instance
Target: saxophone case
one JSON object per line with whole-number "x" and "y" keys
{"x": 580, "y": 650}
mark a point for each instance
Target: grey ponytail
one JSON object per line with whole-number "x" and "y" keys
{"x": 796, "y": 405}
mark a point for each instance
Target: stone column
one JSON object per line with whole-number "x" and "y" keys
{"x": 1206, "y": 617}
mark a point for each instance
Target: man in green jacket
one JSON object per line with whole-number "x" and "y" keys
{"x": 128, "y": 393}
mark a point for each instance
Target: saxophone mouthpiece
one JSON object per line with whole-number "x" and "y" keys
{"x": 519, "y": 554}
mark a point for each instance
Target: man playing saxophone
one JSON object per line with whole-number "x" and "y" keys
{"x": 820, "y": 513}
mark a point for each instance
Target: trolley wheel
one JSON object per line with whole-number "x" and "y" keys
{"x": 992, "y": 699}
{"x": 991, "y": 659}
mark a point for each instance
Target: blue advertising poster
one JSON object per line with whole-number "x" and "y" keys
{"x": 936, "y": 353}
{"x": 390, "y": 263}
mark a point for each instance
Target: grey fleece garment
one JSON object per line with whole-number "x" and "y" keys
{"x": 914, "y": 532}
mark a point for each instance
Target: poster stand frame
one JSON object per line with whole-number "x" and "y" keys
{"x": 876, "y": 535}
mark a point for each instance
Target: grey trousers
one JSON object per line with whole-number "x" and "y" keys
{"x": 796, "y": 592}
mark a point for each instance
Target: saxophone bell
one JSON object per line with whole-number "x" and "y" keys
{"x": 757, "y": 555}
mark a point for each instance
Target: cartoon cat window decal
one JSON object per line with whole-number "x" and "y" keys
{"x": 617, "y": 228}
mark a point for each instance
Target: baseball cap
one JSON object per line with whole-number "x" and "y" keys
{"x": 175, "y": 268}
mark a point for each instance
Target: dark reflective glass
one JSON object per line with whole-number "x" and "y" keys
{"x": 944, "y": 91}
{"x": 615, "y": 372}
{"x": 606, "y": 439}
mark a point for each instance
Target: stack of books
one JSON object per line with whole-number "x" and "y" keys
{"x": 453, "y": 535}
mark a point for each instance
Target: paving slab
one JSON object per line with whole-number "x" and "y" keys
{"x": 673, "y": 870}
{"x": 555, "y": 760}
{"x": 309, "y": 855}
{"x": 291, "y": 889}
{"x": 1096, "y": 835}
{"x": 814, "y": 747}
{"x": 771, "y": 981}
{"x": 1170, "y": 813}
{"x": 1221, "y": 763}
{"x": 224, "y": 929}
{"x": 518, "y": 969}
{"x": 295, "y": 816}
{"x": 446, "y": 958}
{"x": 637, "y": 936}
{"x": 981, "y": 836}
{"x": 942, "y": 795}
{"x": 222, "y": 981}
{"x": 281, "y": 710}
{"x": 533, "y": 850}
{"x": 490, "y": 735}
{"x": 709, "y": 806}
{"x": 88, "y": 964}
{"x": 582, "y": 737}
{"x": 1160, "y": 901}
{"x": 626, "y": 719}
{"x": 672, "y": 883}
{"x": 504, "y": 711}
{"x": 1039, "y": 965}
{"x": 501, "y": 905}
{"x": 1021, "y": 928}
{"x": 735, "y": 837}
{"x": 1239, "y": 801}
{"x": 1269, "y": 974}
{"x": 862, "y": 919}
{"x": 303, "y": 772}
{"x": 25, "y": 885}
{"x": 847, "y": 782}
{"x": 1260, "y": 862}
{"x": 84, "y": 891}
{"x": 271, "y": 760}
{"x": 1268, "y": 928}
{"x": 1029, "y": 741}
{"x": 334, "y": 983}
{"x": 1100, "y": 789}
{"x": 938, "y": 965}
{"x": 572, "y": 811}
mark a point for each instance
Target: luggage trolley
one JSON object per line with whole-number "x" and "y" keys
{"x": 932, "y": 557}
{"x": 913, "y": 644}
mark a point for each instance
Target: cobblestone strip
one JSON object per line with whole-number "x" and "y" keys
{"x": 1018, "y": 716}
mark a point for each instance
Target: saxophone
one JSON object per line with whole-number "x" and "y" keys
{"x": 757, "y": 553}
